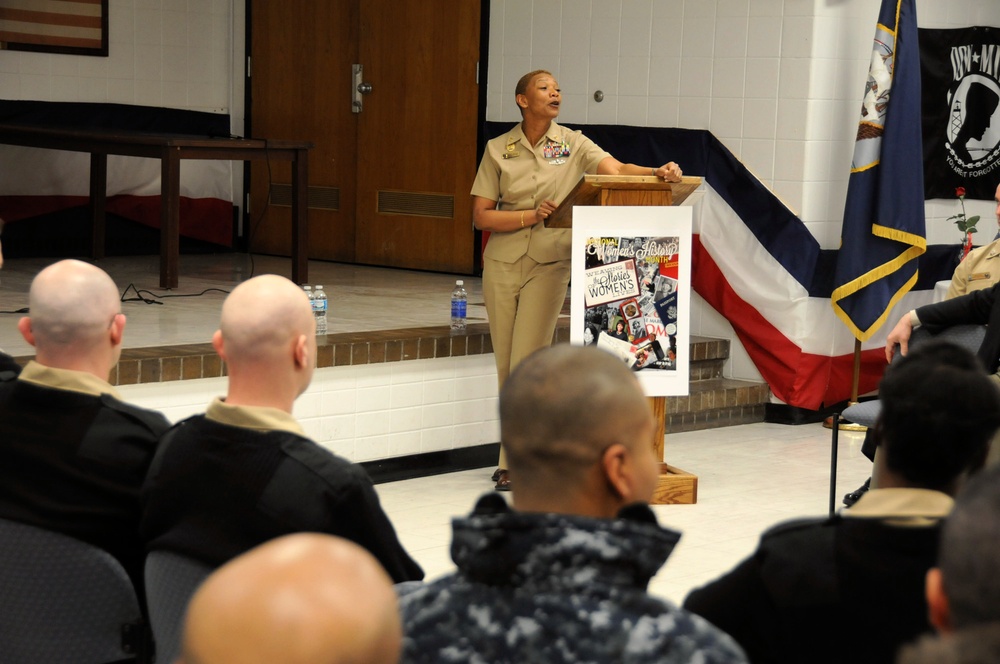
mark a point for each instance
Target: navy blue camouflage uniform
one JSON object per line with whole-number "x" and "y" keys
{"x": 555, "y": 588}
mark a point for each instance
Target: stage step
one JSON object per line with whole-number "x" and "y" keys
{"x": 715, "y": 401}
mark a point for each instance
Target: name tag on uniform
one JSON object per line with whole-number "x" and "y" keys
{"x": 979, "y": 276}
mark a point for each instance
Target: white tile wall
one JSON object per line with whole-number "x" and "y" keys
{"x": 151, "y": 43}
{"x": 370, "y": 412}
{"x": 763, "y": 37}
{"x": 728, "y": 76}
{"x": 731, "y": 36}
{"x": 160, "y": 53}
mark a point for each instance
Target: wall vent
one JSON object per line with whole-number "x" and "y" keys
{"x": 320, "y": 198}
{"x": 415, "y": 204}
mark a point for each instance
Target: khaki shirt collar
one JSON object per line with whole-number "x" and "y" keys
{"x": 902, "y": 507}
{"x": 66, "y": 379}
{"x": 261, "y": 418}
{"x": 554, "y": 133}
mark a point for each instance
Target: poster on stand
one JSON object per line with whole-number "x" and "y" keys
{"x": 631, "y": 290}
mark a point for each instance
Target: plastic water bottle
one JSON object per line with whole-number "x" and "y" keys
{"x": 319, "y": 309}
{"x": 459, "y": 300}
{"x": 309, "y": 294}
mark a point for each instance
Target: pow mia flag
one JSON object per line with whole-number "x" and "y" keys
{"x": 960, "y": 71}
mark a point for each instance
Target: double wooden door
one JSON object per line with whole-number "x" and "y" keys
{"x": 388, "y": 185}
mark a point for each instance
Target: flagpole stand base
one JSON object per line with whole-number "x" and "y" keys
{"x": 844, "y": 425}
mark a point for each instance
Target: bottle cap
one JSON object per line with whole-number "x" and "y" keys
{"x": 307, "y": 288}
{"x": 459, "y": 283}
{"x": 318, "y": 286}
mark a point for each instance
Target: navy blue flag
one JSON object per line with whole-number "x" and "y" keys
{"x": 883, "y": 229}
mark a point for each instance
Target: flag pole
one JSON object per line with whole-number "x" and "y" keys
{"x": 856, "y": 379}
{"x": 884, "y": 229}
{"x": 857, "y": 372}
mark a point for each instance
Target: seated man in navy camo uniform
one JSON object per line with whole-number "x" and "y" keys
{"x": 563, "y": 576}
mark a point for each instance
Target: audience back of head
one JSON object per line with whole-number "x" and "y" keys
{"x": 578, "y": 433}
{"x": 262, "y": 316}
{"x": 267, "y": 337}
{"x": 298, "y": 599}
{"x": 75, "y": 320}
{"x": 939, "y": 412}
{"x": 563, "y": 577}
{"x": 976, "y": 645}
{"x": 965, "y": 589}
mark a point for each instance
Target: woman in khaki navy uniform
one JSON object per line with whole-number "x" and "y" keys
{"x": 526, "y": 266}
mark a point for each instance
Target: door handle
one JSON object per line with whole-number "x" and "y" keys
{"x": 358, "y": 88}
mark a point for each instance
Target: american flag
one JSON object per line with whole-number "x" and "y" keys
{"x": 65, "y": 26}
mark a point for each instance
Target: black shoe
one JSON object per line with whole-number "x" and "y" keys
{"x": 855, "y": 496}
{"x": 502, "y": 477}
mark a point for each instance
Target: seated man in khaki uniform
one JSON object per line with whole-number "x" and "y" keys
{"x": 981, "y": 268}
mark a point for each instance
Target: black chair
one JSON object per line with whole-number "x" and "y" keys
{"x": 62, "y": 600}
{"x": 866, "y": 413}
{"x": 171, "y": 580}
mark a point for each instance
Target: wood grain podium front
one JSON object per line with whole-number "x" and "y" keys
{"x": 674, "y": 486}
{"x": 621, "y": 190}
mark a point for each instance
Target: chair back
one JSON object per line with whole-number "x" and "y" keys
{"x": 171, "y": 580}
{"x": 969, "y": 337}
{"x": 63, "y": 600}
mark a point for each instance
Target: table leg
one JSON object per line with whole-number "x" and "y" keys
{"x": 300, "y": 217}
{"x": 98, "y": 203}
{"x": 674, "y": 486}
{"x": 170, "y": 210}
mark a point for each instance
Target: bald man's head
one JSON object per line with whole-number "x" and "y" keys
{"x": 262, "y": 316}
{"x": 563, "y": 408}
{"x": 304, "y": 598}
{"x": 72, "y": 304}
{"x": 267, "y": 337}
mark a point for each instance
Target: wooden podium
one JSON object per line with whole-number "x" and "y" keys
{"x": 621, "y": 190}
{"x": 675, "y": 486}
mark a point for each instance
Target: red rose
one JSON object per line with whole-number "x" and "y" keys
{"x": 960, "y": 191}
